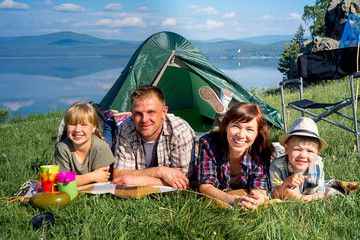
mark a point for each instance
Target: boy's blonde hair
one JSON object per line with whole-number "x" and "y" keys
{"x": 80, "y": 113}
{"x": 305, "y": 140}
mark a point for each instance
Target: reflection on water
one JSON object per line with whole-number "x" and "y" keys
{"x": 42, "y": 84}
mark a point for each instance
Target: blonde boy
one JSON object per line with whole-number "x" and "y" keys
{"x": 300, "y": 173}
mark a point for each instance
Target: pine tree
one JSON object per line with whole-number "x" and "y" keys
{"x": 286, "y": 63}
{"x": 299, "y": 36}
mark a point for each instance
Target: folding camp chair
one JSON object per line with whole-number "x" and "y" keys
{"x": 325, "y": 65}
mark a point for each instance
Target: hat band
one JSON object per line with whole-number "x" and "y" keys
{"x": 304, "y": 131}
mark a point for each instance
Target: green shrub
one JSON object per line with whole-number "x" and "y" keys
{"x": 4, "y": 114}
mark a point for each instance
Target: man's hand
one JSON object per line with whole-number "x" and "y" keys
{"x": 174, "y": 177}
{"x": 130, "y": 180}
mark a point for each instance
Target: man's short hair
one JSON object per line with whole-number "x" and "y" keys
{"x": 147, "y": 90}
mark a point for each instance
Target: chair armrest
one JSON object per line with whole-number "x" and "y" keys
{"x": 287, "y": 81}
{"x": 356, "y": 74}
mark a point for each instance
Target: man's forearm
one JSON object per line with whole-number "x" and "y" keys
{"x": 170, "y": 176}
{"x": 151, "y": 172}
{"x": 133, "y": 180}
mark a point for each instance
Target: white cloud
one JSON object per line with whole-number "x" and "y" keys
{"x": 14, "y": 106}
{"x": 82, "y": 24}
{"x": 64, "y": 20}
{"x": 11, "y": 5}
{"x": 295, "y": 16}
{"x": 229, "y": 15}
{"x": 205, "y": 11}
{"x": 106, "y": 85}
{"x": 210, "y": 24}
{"x": 143, "y": 9}
{"x": 111, "y": 14}
{"x": 267, "y": 17}
{"x": 194, "y": 6}
{"x": 73, "y": 100}
{"x": 168, "y": 22}
{"x": 113, "y": 7}
{"x": 290, "y": 16}
{"x": 126, "y": 22}
{"x": 46, "y": 3}
{"x": 108, "y": 31}
{"x": 68, "y": 7}
{"x": 213, "y": 24}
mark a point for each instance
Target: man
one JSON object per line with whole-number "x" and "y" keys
{"x": 153, "y": 148}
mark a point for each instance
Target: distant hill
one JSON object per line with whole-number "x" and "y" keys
{"x": 269, "y": 39}
{"x": 4, "y": 39}
{"x": 67, "y": 44}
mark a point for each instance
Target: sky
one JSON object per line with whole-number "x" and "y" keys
{"x": 138, "y": 19}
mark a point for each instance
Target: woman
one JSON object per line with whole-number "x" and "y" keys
{"x": 237, "y": 156}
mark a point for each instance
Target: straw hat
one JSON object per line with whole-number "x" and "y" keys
{"x": 304, "y": 127}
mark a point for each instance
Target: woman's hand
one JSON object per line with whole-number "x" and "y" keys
{"x": 253, "y": 200}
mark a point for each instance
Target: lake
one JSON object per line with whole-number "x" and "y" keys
{"x": 35, "y": 85}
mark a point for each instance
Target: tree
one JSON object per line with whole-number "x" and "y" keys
{"x": 286, "y": 63}
{"x": 316, "y": 14}
{"x": 299, "y": 36}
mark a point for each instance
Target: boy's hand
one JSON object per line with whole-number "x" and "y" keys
{"x": 294, "y": 180}
{"x": 293, "y": 193}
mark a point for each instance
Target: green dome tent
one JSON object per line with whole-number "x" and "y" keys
{"x": 179, "y": 69}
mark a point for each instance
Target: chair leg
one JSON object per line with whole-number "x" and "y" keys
{"x": 283, "y": 106}
{"x": 354, "y": 112}
{"x": 302, "y": 93}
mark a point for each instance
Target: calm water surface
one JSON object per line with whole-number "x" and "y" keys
{"x": 42, "y": 84}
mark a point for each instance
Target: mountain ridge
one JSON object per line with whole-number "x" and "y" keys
{"x": 69, "y": 43}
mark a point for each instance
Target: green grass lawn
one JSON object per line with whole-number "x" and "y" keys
{"x": 26, "y": 144}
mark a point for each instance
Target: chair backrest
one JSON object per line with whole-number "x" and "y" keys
{"x": 328, "y": 64}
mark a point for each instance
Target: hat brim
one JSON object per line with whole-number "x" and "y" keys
{"x": 285, "y": 137}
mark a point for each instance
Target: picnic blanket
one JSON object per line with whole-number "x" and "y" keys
{"x": 27, "y": 190}
{"x": 139, "y": 192}
{"x": 122, "y": 191}
{"x": 333, "y": 187}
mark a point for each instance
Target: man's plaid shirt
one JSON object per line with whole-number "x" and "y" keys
{"x": 175, "y": 146}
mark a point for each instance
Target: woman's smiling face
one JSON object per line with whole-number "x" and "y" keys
{"x": 241, "y": 136}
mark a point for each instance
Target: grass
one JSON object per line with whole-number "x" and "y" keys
{"x": 28, "y": 143}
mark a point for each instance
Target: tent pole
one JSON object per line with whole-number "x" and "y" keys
{"x": 163, "y": 69}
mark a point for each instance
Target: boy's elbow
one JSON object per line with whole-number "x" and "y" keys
{"x": 314, "y": 196}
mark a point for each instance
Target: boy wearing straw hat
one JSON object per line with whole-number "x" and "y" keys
{"x": 300, "y": 173}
